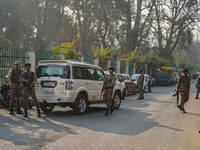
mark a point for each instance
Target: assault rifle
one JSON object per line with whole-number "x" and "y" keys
{"x": 28, "y": 85}
{"x": 177, "y": 98}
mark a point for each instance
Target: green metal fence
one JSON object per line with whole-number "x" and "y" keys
{"x": 122, "y": 66}
{"x": 130, "y": 68}
{"x": 89, "y": 59}
{"x": 8, "y": 56}
{"x": 113, "y": 63}
{"x": 44, "y": 55}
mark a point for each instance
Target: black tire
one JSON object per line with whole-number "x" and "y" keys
{"x": 124, "y": 94}
{"x": 5, "y": 101}
{"x": 80, "y": 105}
{"x": 45, "y": 108}
{"x": 116, "y": 100}
{"x": 149, "y": 88}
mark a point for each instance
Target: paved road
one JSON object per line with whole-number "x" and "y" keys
{"x": 151, "y": 124}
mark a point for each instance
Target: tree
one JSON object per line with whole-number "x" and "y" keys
{"x": 103, "y": 55}
{"x": 68, "y": 49}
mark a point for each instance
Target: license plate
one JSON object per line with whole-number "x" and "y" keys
{"x": 47, "y": 90}
{"x": 49, "y": 84}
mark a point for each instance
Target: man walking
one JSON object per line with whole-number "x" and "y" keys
{"x": 15, "y": 76}
{"x": 198, "y": 87}
{"x": 140, "y": 83}
{"x": 28, "y": 86}
{"x": 183, "y": 87}
{"x": 109, "y": 84}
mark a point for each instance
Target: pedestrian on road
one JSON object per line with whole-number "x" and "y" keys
{"x": 198, "y": 87}
{"x": 109, "y": 84}
{"x": 29, "y": 80}
{"x": 140, "y": 83}
{"x": 15, "y": 76}
{"x": 183, "y": 87}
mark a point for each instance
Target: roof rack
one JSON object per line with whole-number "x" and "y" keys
{"x": 80, "y": 61}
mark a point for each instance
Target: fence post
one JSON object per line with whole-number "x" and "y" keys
{"x": 118, "y": 66}
{"x": 62, "y": 56}
{"x": 134, "y": 68}
{"x": 127, "y": 67}
{"x": 96, "y": 61}
{"x": 31, "y": 55}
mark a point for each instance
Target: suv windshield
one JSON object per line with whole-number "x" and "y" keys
{"x": 53, "y": 71}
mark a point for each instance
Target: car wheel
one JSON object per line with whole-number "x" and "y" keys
{"x": 80, "y": 105}
{"x": 126, "y": 91}
{"x": 46, "y": 108}
{"x": 116, "y": 100}
{"x": 124, "y": 94}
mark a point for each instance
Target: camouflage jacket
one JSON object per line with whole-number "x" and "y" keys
{"x": 110, "y": 81}
{"x": 183, "y": 83}
{"x": 198, "y": 82}
{"x": 140, "y": 80}
{"x": 16, "y": 76}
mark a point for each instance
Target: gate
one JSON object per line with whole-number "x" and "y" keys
{"x": 8, "y": 56}
{"x": 113, "y": 63}
{"x": 89, "y": 60}
{"x": 45, "y": 55}
{"x": 130, "y": 68}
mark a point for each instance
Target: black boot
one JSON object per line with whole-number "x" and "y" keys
{"x": 179, "y": 106}
{"x": 11, "y": 112}
{"x": 197, "y": 97}
{"x": 139, "y": 97}
{"x": 183, "y": 110}
{"x": 142, "y": 97}
{"x": 25, "y": 113}
{"x": 111, "y": 110}
{"x": 107, "y": 112}
{"x": 19, "y": 111}
{"x": 38, "y": 112}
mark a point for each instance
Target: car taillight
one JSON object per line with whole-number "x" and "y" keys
{"x": 69, "y": 84}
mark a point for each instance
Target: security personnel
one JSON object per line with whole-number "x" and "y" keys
{"x": 198, "y": 87}
{"x": 140, "y": 83}
{"x": 29, "y": 80}
{"x": 183, "y": 87}
{"x": 15, "y": 76}
{"x": 109, "y": 84}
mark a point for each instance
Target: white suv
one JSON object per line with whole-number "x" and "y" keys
{"x": 71, "y": 83}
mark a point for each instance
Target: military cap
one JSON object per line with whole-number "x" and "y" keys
{"x": 27, "y": 65}
{"x": 140, "y": 71}
{"x": 17, "y": 63}
{"x": 111, "y": 68}
{"x": 185, "y": 70}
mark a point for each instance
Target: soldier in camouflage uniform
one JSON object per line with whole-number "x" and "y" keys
{"x": 15, "y": 77}
{"x": 140, "y": 83}
{"x": 183, "y": 87}
{"x": 29, "y": 80}
{"x": 109, "y": 84}
{"x": 198, "y": 87}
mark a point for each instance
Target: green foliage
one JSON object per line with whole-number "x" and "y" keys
{"x": 133, "y": 56}
{"x": 5, "y": 39}
{"x": 103, "y": 55}
{"x": 68, "y": 49}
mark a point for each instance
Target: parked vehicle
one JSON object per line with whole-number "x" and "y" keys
{"x": 5, "y": 93}
{"x": 165, "y": 77}
{"x": 129, "y": 83}
{"x": 120, "y": 84}
{"x": 147, "y": 81}
{"x": 71, "y": 83}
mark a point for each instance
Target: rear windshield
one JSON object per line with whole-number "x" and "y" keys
{"x": 135, "y": 77}
{"x": 53, "y": 71}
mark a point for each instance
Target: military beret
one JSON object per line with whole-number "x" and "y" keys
{"x": 111, "y": 68}
{"x": 185, "y": 70}
{"x": 17, "y": 62}
{"x": 27, "y": 65}
{"x": 140, "y": 71}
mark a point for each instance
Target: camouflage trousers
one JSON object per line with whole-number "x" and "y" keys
{"x": 184, "y": 97}
{"x": 198, "y": 91}
{"x": 107, "y": 96}
{"x": 30, "y": 93}
{"x": 141, "y": 90}
{"x": 15, "y": 95}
